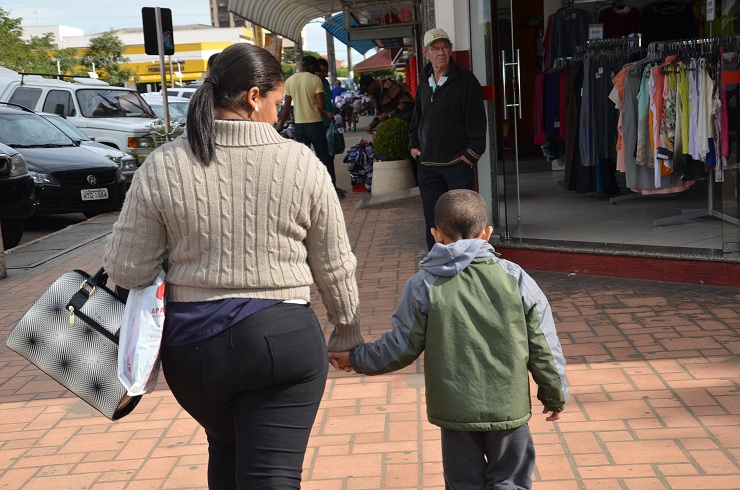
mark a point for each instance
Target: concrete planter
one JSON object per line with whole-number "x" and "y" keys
{"x": 391, "y": 176}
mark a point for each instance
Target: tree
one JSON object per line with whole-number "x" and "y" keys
{"x": 69, "y": 61}
{"x": 12, "y": 47}
{"x": 289, "y": 55}
{"x": 106, "y": 51}
{"x": 19, "y": 55}
{"x": 39, "y": 51}
{"x": 311, "y": 53}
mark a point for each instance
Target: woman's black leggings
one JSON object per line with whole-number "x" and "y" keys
{"x": 255, "y": 388}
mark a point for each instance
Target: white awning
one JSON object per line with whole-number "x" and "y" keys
{"x": 288, "y": 17}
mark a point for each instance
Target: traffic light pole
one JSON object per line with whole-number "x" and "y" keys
{"x": 160, "y": 44}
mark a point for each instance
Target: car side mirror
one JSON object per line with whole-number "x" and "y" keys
{"x": 59, "y": 109}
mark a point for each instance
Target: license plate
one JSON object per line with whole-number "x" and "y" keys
{"x": 94, "y": 194}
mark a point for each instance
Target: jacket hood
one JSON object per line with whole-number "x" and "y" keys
{"x": 449, "y": 260}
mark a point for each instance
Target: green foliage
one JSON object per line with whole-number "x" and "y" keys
{"x": 106, "y": 51}
{"x": 38, "y": 55}
{"x": 311, "y": 53}
{"x": 289, "y": 55}
{"x": 158, "y": 131}
{"x": 12, "y": 48}
{"x": 69, "y": 61}
{"x": 19, "y": 55}
{"x": 391, "y": 141}
{"x": 288, "y": 70}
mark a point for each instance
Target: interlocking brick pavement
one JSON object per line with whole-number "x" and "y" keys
{"x": 654, "y": 369}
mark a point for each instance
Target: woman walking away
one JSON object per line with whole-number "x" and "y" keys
{"x": 244, "y": 221}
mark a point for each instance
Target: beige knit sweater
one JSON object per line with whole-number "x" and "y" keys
{"x": 261, "y": 221}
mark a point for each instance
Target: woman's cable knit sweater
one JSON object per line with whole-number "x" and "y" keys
{"x": 261, "y": 221}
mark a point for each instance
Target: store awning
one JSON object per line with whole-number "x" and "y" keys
{"x": 289, "y": 17}
{"x": 380, "y": 61}
{"x": 335, "y": 25}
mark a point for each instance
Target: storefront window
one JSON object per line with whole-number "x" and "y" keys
{"x": 597, "y": 156}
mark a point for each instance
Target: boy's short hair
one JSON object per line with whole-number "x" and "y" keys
{"x": 460, "y": 213}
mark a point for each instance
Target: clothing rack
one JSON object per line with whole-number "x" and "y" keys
{"x": 631, "y": 41}
{"x": 665, "y": 47}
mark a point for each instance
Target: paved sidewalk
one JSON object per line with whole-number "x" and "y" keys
{"x": 654, "y": 369}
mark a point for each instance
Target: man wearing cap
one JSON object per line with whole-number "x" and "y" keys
{"x": 447, "y": 135}
{"x": 391, "y": 99}
{"x": 306, "y": 91}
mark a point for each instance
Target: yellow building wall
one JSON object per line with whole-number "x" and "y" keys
{"x": 191, "y": 69}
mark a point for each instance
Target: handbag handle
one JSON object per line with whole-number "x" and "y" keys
{"x": 87, "y": 288}
{"x": 99, "y": 278}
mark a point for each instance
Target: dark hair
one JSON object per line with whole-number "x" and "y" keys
{"x": 460, "y": 213}
{"x": 309, "y": 61}
{"x": 322, "y": 62}
{"x": 365, "y": 81}
{"x": 212, "y": 59}
{"x": 235, "y": 71}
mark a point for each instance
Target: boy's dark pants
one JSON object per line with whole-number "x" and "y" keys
{"x": 488, "y": 460}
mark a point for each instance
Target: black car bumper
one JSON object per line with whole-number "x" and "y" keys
{"x": 17, "y": 197}
{"x": 68, "y": 199}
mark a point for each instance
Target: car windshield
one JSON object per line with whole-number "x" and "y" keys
{"x": 30, "y": 131}
{"x": 112, "y": 103}
{"x": 67, "y": 127}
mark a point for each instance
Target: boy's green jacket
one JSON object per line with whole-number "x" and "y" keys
{"x": 484, "y": 324}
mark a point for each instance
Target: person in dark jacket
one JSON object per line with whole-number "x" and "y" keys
{"x": 447, "y": 135}
{"x": 391, "y": 99}
{"x": 484, "y": 325}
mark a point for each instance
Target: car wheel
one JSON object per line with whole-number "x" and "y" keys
{"x": 12, "y": 230}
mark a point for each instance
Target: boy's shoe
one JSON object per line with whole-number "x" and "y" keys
{"x": 340, "y": 192}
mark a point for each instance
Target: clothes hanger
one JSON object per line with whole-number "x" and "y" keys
{"x": 652, "y": 57}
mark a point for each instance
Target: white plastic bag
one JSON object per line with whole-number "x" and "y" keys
{"x": 140, "y": 338}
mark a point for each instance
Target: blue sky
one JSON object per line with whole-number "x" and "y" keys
{"x": 103, "y": 15}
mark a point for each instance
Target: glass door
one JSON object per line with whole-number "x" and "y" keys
{"x": 510, "y": 97}
{"x": 730, "y": 211}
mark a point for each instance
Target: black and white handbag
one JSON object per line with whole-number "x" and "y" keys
{"x": 71, "y": 333}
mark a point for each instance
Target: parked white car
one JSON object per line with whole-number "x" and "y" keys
{"x": 178, "y": 106}
{"x": 184, "y": 92}
{"x": 114, "y": 116}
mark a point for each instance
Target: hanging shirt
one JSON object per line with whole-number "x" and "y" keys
{"x": 693, "y": 76}
{"x": 683, "y": 97}
{"x": 644, "y": 149}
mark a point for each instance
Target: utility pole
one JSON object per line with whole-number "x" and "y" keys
{"x": 330, "y": 57}
{"x": 351, "y": 74}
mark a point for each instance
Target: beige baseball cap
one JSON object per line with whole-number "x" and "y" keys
{"x": 433, "y": 34}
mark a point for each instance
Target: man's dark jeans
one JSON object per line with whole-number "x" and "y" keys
{"x": 315, "y": 134}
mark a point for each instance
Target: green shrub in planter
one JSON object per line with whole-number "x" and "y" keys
{"x": 391, "y": 140}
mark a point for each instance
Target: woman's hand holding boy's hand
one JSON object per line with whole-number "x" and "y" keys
{"x": 552, "y": 418}
{"x": 340, "y": 360}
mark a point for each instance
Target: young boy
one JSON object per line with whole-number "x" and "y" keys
{"x": 484, "y": 324}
